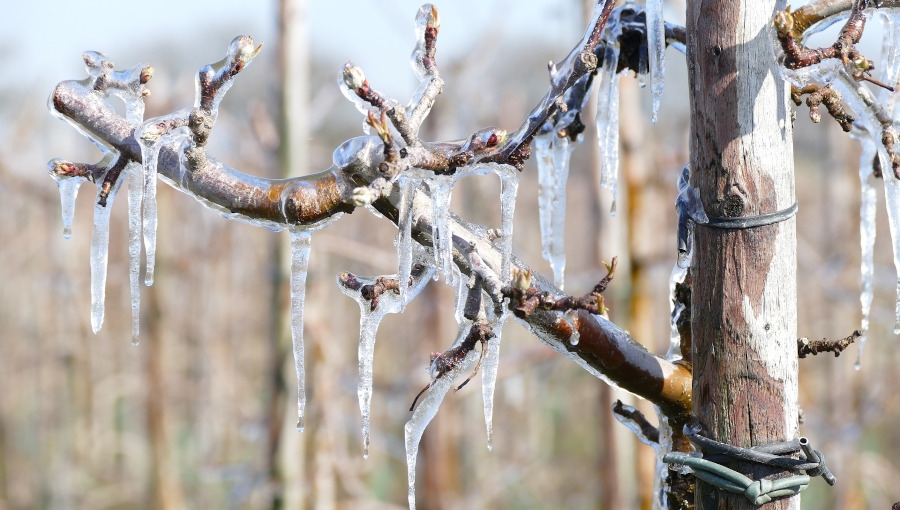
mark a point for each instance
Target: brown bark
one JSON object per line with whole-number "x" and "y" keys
{"x": 744, "y": 293}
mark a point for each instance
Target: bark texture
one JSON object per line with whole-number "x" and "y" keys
{"x": 744, "y": 294}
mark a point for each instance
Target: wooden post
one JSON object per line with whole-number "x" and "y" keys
{"x": 744, "y": 294}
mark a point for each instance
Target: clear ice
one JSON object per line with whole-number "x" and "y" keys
{"x": 369, "y": 320}
{"x": 152, "y": 139}
{"x": 608, "y": 118}
{"x": 553, "y": 155}
{"x": 300, "y": 247}
{"x": 656, "y": 49}
{"x": 690, "y": 210}
{"x": 426, "y": 410}
{"x": 68, "y": 192}
{"x": 868, "y": 203}
{"x": 489, "y": 366}
{"x": 100, "y": 255}
{"x": 135, "y": 193}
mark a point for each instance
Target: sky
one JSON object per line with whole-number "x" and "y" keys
{"x": 44, "y": 40}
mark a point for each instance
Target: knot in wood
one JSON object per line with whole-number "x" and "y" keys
{"x": 733, "y": 205}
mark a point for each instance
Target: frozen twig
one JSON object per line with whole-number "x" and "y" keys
{"x": 632, "y": 415}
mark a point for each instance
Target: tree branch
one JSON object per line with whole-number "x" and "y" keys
{"x": 604, "y": 349}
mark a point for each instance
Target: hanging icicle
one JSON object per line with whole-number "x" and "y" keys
{"x": 608, "y": 117}
{"x": 656, "y": 50}
{"x": 372, "y": 310}
{"x": 300, "y": 247}
{"x": 426, "y": 410}
{"x": 135, "y": 194}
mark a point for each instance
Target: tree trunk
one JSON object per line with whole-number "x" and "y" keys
{"x": 744, "y": 295}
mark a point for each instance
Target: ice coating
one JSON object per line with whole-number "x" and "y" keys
{"x": 241, "y": 52}
{"x": 369, "y": 320}
{"x": 660, "y": 447}
{"x": 608, "y": 121}
{"x": 426, "y": 410}
{"x": 351, "y": 75}
{"x": 300, "y": 247}
{"x": 553, "y": 155}
{"x": 656, "y": 52}
{"x": 679, "y": 272}
{"x": 690, "y": 210}
{"x": 100, "y": 255}
{"x": 418, "y": 54}
{"x": 135, "y": 193}
{"x": 569, "y": 317}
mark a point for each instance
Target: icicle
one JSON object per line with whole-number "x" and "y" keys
{"x": 300, "y": 246}
{"x": 100, "y": 255}
{"x": 426, "y": 410}
{"x": 152, "y": 136}
{"x": 135, "y": 193}
{"x": 68, "y": 192}
{"x": 892, "y": 201}
{"x": 441, "y": 188}
{"x": 553, "y": 155}
{"x": 890, "y": 60}
{"x": 608, "y": 122}
{"x": 660, "y": 447}
{"x": 867, "y": 239}
{"x": 662, "y": 469}
{"x": 489, "y": 366}
{"x": 404, "y": 235}
{"x": 509, "y": 187}
{"x": 369, "y": 320}
{"x": 656, "y": 49}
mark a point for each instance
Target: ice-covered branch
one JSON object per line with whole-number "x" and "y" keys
{"x": 604, "y": 350}
{"x": 816, "y": 12}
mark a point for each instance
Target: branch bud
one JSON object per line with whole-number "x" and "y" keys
{"x": 362, "y": 197}
{"x": 521, "y": 279}
{"x": 353, "y": 76}
{"x": 152, "y": 133}
{"x": 242, "y": 49}
{"x": 784, "y": 22}
{"x": 146, "y": 74}
{"x": 433, "y": 20}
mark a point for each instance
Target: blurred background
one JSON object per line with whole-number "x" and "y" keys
{"x": 202, "y": 413}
